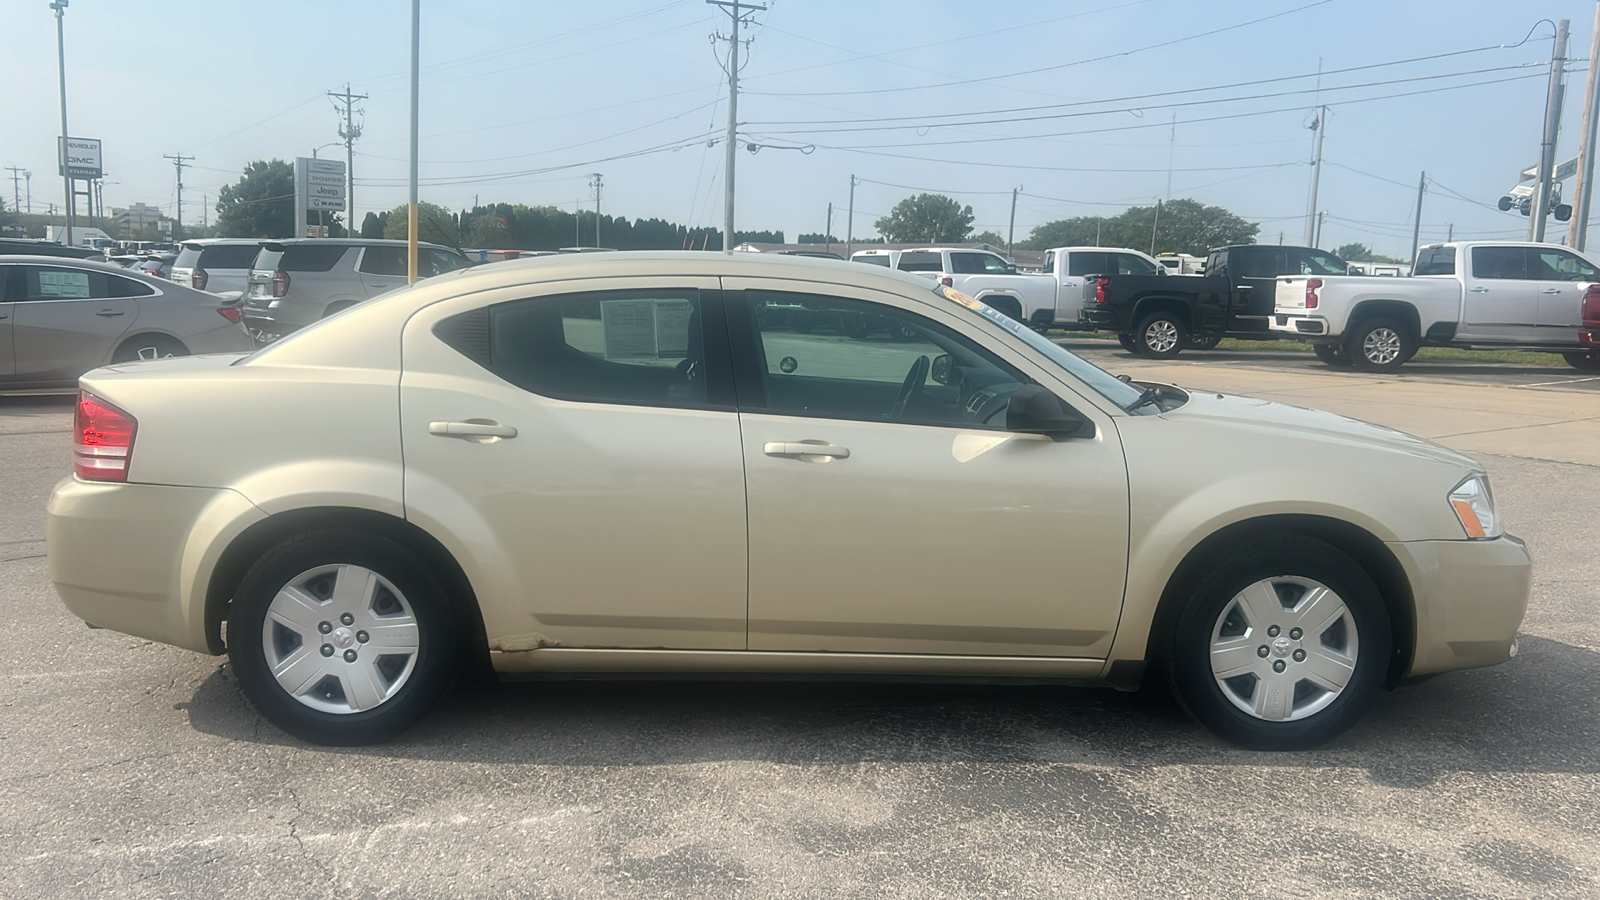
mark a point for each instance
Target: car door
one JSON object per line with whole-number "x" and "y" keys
{"x": 384, "y": 268}
{"x": 67, "y": 320}
{"x": 890, "y": 512}
{"x": 1501, "y": 300}
{"x": 579, "y": 451}
{"x": 8, "y": 363}
{"x": 1257, "y": 268}
{"x": 1563, "y": 275}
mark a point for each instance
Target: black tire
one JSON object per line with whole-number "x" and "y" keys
{"x": 1160, "y": 335}
{"x": 1008, "y": 306}
{"x": 1379, "y": 345}
{"x": 1331, "y": 354}
{"x": 148, "y": 346}
{"x": 1589, "y": 362}
{"x": 1204, "y": 341}
{"x": 1128, "y": 343}
{"x": 1210, "y": 610}
{"x": 428, "y": 670}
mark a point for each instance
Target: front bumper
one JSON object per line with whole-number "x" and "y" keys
{"x": 1298, "y": 325}
{"x": 1470, "y": 598}
{"x": 138, "y": 558}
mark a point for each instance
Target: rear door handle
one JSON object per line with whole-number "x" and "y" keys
{"x": 801, "y": 449}
{"x": 1551, "y": 291}
{"x": 109, "y": 312}
{"x": 472, "y": 429}
{"x": 1480, "y": 290}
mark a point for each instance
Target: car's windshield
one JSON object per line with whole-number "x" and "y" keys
{"x": 1102, "y": 382}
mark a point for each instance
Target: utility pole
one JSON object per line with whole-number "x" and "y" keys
{"x": 349, "y": 132}
{"x": 1153, "y": 227}
{"x": 850, "y": 219}
{"x": 1583, "y": 188}
{"x": 1552, "y": 127}
{"x": 577, "y": 223}
{"x": 1450, "y": 235}
{"x": 27, "y": 178}
{"x": 736, "y": 13}
{"x": 1316, "y": 239}
{"x": 205, "y": 213}
{"x": 16, "y": 186}
{"x": 827, "y": 230}
{"x": 60, "y": 6}
{"x": 1172, "y": 148}
{"x": 1011, "y": 234}
{"x": 1321, "y": 126}
{"x": 411, "y": 208}
{"x": 1416, "y": 225}
{"x": 595, "y": 188}
{"x": 178, "y": 159}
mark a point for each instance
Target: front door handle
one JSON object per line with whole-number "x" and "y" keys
{"x": 803, "y": 449}
{"x": 1480, "y": 290}
{"x": 109, "y": 312}
{"x": 1551, "y": 291}
{"x": 472, "y": 428}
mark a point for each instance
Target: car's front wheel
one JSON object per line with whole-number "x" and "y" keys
{"x": 1281, "y": 645}
{"x": 342, "y": 637}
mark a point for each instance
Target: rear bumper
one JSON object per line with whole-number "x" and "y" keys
{"x": 1298, "y": 325}
{"x": 1097, "y": 317}
{"x": 138, "y": 558}
{"x": 1470, "y": 599}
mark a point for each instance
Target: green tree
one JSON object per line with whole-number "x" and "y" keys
{"x": 435, "y": 224}
{"x": 1354, "y": 253}
{"x": 818, "y": 238}
{"x": 927, "y": 218}
{"x": 1184, "y": 226}
{"x": 260, "y": 204}
{"x": 989, "y": 237}
{"x": 7, "y": 218}
{"x": 372, "y": 226}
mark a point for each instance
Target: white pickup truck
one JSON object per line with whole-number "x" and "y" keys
{"x": 1049, "y": 299}
{"x": 1477, "y": 295}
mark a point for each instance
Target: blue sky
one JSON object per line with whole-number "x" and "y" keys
{"x": 522, "y": 100}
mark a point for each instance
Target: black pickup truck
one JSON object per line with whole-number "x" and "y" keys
{"x": 1160, "y": 316}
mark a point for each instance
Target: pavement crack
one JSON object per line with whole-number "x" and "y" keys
{"x": 294, "y": 835}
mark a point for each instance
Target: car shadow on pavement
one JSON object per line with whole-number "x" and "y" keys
{"x": 1538, "y": 713}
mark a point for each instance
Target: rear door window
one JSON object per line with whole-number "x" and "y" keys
{"x": 311, "y": 257}
{"x": 1499, "y": 263}
{"x": 874, "y": 259}
{"x": 385, "y": 261}
{"x": 1257, "y": 262}
{"x": 1087, "y": 263}
{"x": 1436, "y": 261}
{"x": 52, "y": 283}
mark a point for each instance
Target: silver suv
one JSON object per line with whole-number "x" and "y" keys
{"x": 219, "y": 265}
{"x": 294, "y": 283}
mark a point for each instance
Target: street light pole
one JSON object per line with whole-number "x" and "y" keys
{"x": 411, "y": 208}
{"x": 60, "y": 6}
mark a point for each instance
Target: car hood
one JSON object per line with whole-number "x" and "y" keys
{"x": 1281, "y": 419}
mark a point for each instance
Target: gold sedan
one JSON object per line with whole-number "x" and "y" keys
{"x": 691, "y": 462}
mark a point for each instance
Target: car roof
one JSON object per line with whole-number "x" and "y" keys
{"x": 345, "y": 242}
{"x": 216, "y": 242}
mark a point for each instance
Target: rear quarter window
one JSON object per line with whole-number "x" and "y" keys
{"x": 921, "y": 261}
{"x": 188, "y": 256}
{"x": 231, "y": 256}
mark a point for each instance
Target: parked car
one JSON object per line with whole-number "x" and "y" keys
{"x": 62, "y": 317}
{"x": 156, "y": 266}
{"x": 1182, "y": 263}
{"x": 1162, "y": 317}
{"x": 294, "y": 283}
{"x": 1477, "y": 295}
{"x": 885, "y": 258}
{"x": 217, "y": 265}
{"x": 623, "y": 463}
{"x": 1589, "y": 335}
{"x": 29, "y": 247}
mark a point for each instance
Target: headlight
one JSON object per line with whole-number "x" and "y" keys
{"x": 1474, "y": 506}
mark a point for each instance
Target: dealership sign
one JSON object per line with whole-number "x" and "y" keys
{"x": 80, "y": 158}
{"x": 320, "y": 184}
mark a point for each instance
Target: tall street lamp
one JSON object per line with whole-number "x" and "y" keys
{"x": 60, "y": 6}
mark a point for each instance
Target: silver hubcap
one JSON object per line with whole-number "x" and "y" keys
{"x": 1284, "y": 648}
{"x": 153, "y": 353}
{"x": 340, "y": 639}
{"x": 1381, "y": 346}
{"x": 1161, "y": 336}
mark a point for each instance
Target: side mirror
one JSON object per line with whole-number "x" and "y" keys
{"x": 942, "y": 369}
{"x": 1034, "y": 410}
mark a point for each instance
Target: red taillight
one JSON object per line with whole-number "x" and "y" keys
{"x": 102, "y": 440}
{"x": 947, "y": 281}
{"x": 197, "y": 279}
{"x": 1312, "y": 286}
{"x": 280, "y": 284}
{"x": 1591, "y": 306}
{"x": 1100, "y": 290}
{"x": 232, "y": 313}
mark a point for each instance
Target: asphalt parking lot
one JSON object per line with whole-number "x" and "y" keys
{"x": 136, "y": 770}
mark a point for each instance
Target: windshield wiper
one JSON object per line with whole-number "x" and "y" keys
{"x": 1150, "y": 395}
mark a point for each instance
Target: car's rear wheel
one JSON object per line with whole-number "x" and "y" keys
{"x": 1331, "y": 354}
{"x": 1379, "y": 345}
{"x": 342, "y": 637}
{"x": 1161, "y": 335}
{"x": 1589, "y": 362}
{"x": 1281, "y": 645}
{"x": 149, "y": 346}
